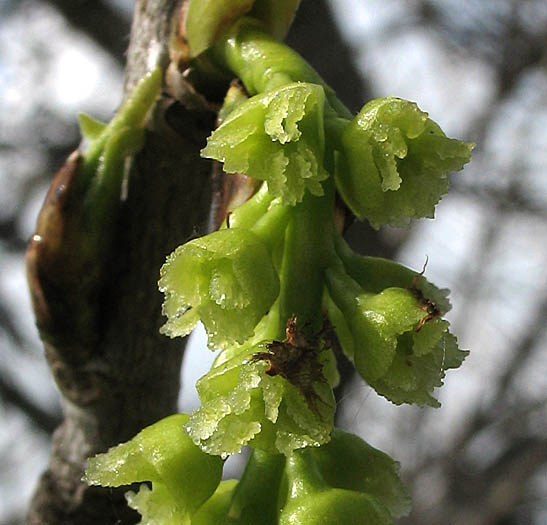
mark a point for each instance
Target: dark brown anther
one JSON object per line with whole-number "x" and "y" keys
{"x": 430, "y": 307}
{"x": 296, "y": 359}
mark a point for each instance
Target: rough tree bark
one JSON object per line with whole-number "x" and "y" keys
{"x": 115, "y": 372}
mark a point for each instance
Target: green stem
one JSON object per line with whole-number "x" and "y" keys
{"x": 132, "y": 115}
{"x": 263, "y": 63}
{"x": 306, "y": 253}
{"x": 247, "y": 215}
{"x": 256, "y": 494}
{"x": 343, "y": 290}
{"x": 271, "y": 226}
{"x": 303, "y": 475}
{"x": 373, "y": 274}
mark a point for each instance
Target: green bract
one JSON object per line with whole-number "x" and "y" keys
{"x": 278, "y": 137}
{"x": 182, "y": 476}
{"x": 225, "y": 279}
{"x": 242, "y": 405}
{"x": 395, "y": 162}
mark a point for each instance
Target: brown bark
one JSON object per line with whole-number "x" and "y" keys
{"x": 115, "y": 372}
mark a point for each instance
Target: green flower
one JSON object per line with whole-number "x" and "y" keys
{"x": 242, "y": 404}
{"x": 182, "y": 476}
{"x": 277, "y": 137}
{"x": 225, "y": 279}
{"x": 395, "y": 337}
{"x": 395, "y": 162}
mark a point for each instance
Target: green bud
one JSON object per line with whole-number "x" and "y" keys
{"x": 395, "y": 162}
{"x": 277, "y": 137}
{"x": 348, "y": 462}
{"x": 226, "y": 279}
{"x": 207, "y": 19}
{"x": 182, "y": 476}
{"x": 313, "y": 502}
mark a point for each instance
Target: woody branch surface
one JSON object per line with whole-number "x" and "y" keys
{"x": 99, "y": 314}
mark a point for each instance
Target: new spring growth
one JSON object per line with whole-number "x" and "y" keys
{"x": 277, "y": 137}
{"x": 280, "y": 257}
{"x": 207, "y": 19}
{"x": 394, "y": 162}
{"x": 225, "y": 279}
{"x": 68, "y": 256}
{"x": 388, "y": 321}
{"x": 183, "y": 477}
{"x": 275, "y": 407}
{"x": 277, "y": 288}
{"x": 345, "y": 480}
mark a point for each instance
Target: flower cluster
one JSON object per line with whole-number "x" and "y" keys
{"x": 346, "y": 479}
{"x": 279, "y": 291}
{"x": 280, "y": 258}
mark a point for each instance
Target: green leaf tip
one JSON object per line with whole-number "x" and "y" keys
{"x": 241, "y": 405}
{"x": 225, "y": 279}
{"x": 395, "y": 162}
{"x": 90, "y": 127}
{"x": 109, "y": 144}
{"x": 277, "y": 137}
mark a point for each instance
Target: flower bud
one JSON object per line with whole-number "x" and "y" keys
{"x": 313, "y": 502}
{"x": 396, "y": 338}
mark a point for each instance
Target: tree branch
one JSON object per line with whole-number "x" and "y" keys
{"x": 116, "y": 373}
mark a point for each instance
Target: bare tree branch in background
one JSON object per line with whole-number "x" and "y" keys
{"x": 41, "y": 419}
{"x": 100, "y": 21}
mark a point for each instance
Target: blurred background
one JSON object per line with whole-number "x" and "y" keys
{"x": 480, "y": 69}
